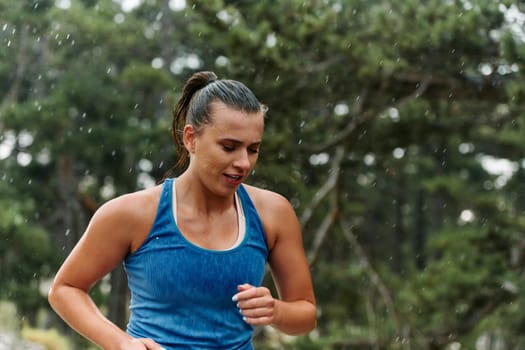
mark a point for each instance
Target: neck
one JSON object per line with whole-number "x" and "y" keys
{"x": 193, "y": 193}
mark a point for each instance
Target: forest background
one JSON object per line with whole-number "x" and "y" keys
{"x": 395, "y": 128}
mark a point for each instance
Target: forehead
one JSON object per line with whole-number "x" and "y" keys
{"x": 228, "y": 120}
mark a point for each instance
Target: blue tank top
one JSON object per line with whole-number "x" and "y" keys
{"x": 181, "y": 294}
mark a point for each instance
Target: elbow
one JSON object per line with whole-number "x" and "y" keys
{"x": 312, "y": 326}
{"x": 309, "y": 326}
{"x": 52, "y": 297}
{"x": 312, "y": 320}
{"x": 55, "y": 296}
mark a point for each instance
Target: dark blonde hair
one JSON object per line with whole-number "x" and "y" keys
{"x": 200, "y": 90}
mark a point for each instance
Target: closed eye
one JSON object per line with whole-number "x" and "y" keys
{"x": 233, "y": 145}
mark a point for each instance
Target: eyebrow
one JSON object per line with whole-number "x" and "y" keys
{"x": 237, "y": 142}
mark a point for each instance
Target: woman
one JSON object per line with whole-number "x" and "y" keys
{"x": 195, "y": 247}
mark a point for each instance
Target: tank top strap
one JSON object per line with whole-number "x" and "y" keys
{"x": 254, "y": 224}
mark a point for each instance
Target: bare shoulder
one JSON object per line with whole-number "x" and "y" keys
{"x": 276, "y": 213}
{"x": 268, "y": 201}
{"x": 129, "y": 216}
{"x": 128, "y": 206}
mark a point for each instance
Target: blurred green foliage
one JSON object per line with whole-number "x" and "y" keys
{"x": 384, "y": 119}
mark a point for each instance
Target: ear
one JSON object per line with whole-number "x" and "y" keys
{"x": 188, "y": 137}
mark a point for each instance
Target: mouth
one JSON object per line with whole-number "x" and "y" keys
{"x": 233, "y": 178}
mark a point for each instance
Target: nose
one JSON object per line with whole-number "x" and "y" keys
{"x": 242, "y": 161}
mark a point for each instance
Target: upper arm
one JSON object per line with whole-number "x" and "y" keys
{"x": 104, "y": 244}
{"x": 287, "y": 258}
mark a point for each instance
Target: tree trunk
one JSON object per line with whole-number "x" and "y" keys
{"x": 419, "y": 230}
{"x": 399, "y": 230}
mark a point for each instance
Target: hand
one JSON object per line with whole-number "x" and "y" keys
{"x": 140, "y": 344}
{"x": 256, "y": 304}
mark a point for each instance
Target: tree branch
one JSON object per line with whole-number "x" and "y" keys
{"x": 21, "y": 67}
{"x": 333, "y": 214}
{"x": 326, "y": 188}
{"x": 373, "y": 275}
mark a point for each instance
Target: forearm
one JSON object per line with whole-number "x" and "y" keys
{"x": 295, "y": 317}
{"x": 79, "y": 311}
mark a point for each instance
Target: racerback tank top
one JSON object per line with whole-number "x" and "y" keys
{"x": 181, "y": 293}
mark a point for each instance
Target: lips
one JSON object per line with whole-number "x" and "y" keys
{"x": 235, "y": 179}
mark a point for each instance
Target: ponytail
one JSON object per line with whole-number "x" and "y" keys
{"x": 193, "y": 85}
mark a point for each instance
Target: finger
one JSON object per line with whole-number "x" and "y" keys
{"x": 258, "y": 321}
{"x": 245, "y": 291}
{"x": 244, "y": 286}
{"x": 266, "y": 302}
{"x": 254, "y": 297}
{"x": 257, "y": 312}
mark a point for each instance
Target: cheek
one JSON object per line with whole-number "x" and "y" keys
{"x": 209, "y": 157}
